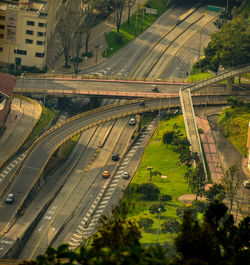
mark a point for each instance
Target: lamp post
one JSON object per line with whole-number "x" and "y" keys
{"x": 97, "y": 46}
{"x": 22, "y": 76}
{"x": 150, "y": 175}
{"x": 158, "y": 228}
{"x": 45, "y": 87}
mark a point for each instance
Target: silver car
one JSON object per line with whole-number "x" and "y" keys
{"x": 10, "y": 198}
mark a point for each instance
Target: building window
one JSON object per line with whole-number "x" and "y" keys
{"x": 2, "y": 17}
{"x": 28, "y": 41}
{"x": 40, "y": 42}
{"x": 1, "y": 49}
{"x": 1, "y": 36}
{"x": 2, "y": 27}
{"x": 42, "y": 25}
{"x": 40, "y": 34}
{"x": 30, "y": 23}
{"x": 29, "y": 32}
{"x": 23, "y": 52}
{"x": 39, "y": 54}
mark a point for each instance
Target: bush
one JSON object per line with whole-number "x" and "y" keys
{"x": 165, "y": 198}
{"x": 150, "y": 191}
{"x": 118, "y": 38}
{"x": 154, "y": 208}
{"x": 200, "y": 131}
{"x": 145, "y": 223}
{"x": 180, "y": 211}
{"x": 171, "y": 225}
{"x": 87, "y": 54}
{"x": 200, "y": 206}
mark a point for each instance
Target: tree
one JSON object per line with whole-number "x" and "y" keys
{"x": 154, "y": 208}
{"x": 171, "y": 225}
{"x": 197, "y": 180}
{"x": 230, "y": 45}
{"x": 215, "y": 240}
{"x": 145, "y": 223}
{"x": 119, "y": 6}
{"x": 68, "y": 25}
{"x": 231, "y": 182}
{"x": 168, "y": 137}
{"x": 150, "y": 191}
{"x": 215, "y": 192}
{"x": 199, "y": 206}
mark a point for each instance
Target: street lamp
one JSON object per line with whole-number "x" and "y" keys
{"x": 150, "y": 174}
{"x": 97, "y": 46}
{"x": 22, "y": 76}
{"x": 45, "y": 87}
{"x": 159, "y": 211}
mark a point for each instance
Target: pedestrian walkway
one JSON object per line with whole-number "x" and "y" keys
{"x": 22, "y": 118}
{"x": 211, "y": 154}
{"x": 55, "y": 57}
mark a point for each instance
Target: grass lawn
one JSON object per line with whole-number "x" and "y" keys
{"x": 128, "y": 32}
{"x": 164, "y": 159}
{"x": 234, "y": 123}
{"x": 46, "y": 118}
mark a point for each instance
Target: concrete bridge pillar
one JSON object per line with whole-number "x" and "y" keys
{"x": 230, "y": 84}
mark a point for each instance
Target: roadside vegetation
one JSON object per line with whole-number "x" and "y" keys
{"x": 234, "y": 122}
{"x": 137, "y": 23}
{"x": 47, "y": 116}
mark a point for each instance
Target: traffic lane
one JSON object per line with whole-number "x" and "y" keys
{"x": 76, "y": 199}
{"x": 93, "y": 85}
{"x": 72, "y": 178}
{"x": 122, "y": 144}
{"x": 190, "y": 52}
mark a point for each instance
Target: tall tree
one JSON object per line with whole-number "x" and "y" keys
{"x": 231, "y": 183}
{"x": 130, "y": 3}
{"x": 119, "y": 6}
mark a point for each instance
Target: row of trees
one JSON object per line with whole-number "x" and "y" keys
{"x": 214, "y": 240}
{"x": 78, "y": 17}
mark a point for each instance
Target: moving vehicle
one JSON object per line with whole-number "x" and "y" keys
{"x": 246, "y": 183}
{"x": 132, "y": 121}
{"x": 142, "y": 103}
{"x": 125, "y": 175}
{"x": 10, "y": 198}
{"x": 115, "y": 157}
{"x": 106, "y": 174}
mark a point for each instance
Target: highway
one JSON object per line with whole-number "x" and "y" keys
{"x": 29, "y": 174}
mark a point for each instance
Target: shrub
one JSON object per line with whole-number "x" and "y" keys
{"x": 171, "y": 225}
{"x": 145, "y": 223}
{"x": 150, "y": 191}
{"x": 154, "y": 208}
{"x": 87, "y": 54}
{"x": 200, "y": 206}
{"x": 166, "y": 197}
{"x": 118, "y": 38}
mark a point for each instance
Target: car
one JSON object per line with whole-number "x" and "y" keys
{"x": 142, "y": 103}
{"x": 155, "y": 88}
{"x": 125, "y": 175}
{"x": 115, "y": 157}
{"x": 246, "y": 183}
{"x": 132, "y": 121}
{"x": 106, "y": 174}
{"x": 10, "y": 198}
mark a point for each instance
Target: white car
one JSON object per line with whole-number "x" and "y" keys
{"x": 125, "y": 175}
{"x": 246, "y": 183}
{"x": 132, "y": 121}
{"x": 10, "y": 198}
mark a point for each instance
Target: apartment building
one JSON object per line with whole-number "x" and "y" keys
{"x": 25, "y": 28}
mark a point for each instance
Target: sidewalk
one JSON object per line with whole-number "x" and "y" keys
{"x": 19, "y": 124}
{"x": 97, "y": 37}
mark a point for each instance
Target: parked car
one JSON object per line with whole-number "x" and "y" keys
{"x": 155, "y": 88}
{"x": 115, "y": 157}
{"x": 125, "y": 175}
{"x": 246, "y": 183}
{"x": 142, "y": 103}
{"x": 106, "y": 174}
{"x": 132, "y": 121}
{"x": 10, "y": 198}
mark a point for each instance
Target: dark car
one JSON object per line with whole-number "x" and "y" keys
{"x": 142, "y": 103}
{"x": 115, "y": 157}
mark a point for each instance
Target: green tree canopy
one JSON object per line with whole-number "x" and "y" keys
{"x": 230, "y": 46}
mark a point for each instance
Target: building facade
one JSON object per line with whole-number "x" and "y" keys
{"x": 25, "y": 28}
{"x": 7, "y": 84}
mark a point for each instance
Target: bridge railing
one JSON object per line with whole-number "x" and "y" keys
{"x": 228, "y": 73}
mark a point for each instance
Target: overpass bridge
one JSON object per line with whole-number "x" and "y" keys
{"x": 187, "y": 104}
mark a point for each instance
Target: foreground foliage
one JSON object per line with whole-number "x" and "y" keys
{"x": 216, "y": 240}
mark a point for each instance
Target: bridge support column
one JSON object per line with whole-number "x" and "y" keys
{"x": 93, "y": 103}
{"x": 230, "y": 84}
